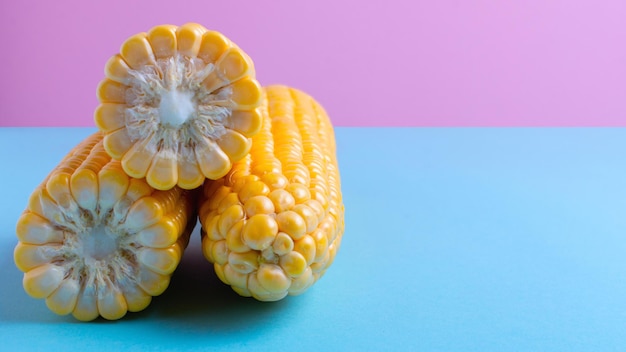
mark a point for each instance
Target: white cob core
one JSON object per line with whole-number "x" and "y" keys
{"x": 97, "y": 244}
{"x": 97, "y": 250}
{"x": 176, "y": 107}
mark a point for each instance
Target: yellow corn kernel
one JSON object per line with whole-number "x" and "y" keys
{"x": 41, "y": 281}
{"x": 112, "y": 305}
{"x": 273, "y": 224}
{"x": 282, "y": 199}
{"x": 232, "y": 215}
{"x": 189, "y": 37}
{"x": 234, "y": 240}
{"x": 234, "y": 277}
{"x": 301, "y": 283}
{"x": 136, "y": 298}
{"x": 220, "y": 252}
{"x": 244, "y": 263}
{"x": 291, "y": 223}
{"x": 63, "y": 300}
{"x": 94, "y": 242}
{"x": 293, "y": 263}
{"x": 273, "y": 278}
{"x": 178, "y": 105}
{"x": 283, "y": 244}
{"x": 258, "y": 205}
{"x": 137, "y": 51}
{"x": 163, "y": 41}
{"x": 259, "y": 231}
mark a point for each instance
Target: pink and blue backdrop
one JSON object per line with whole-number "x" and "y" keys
{"x": 370, "y": 63}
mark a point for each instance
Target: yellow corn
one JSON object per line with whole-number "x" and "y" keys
{"x": 95, "y": 242}
{"x": 178, "y": 105}
{"x": 273, "y": 224}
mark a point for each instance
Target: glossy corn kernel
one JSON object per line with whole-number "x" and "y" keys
{"x": 95, "y": 242}
{"x": 272, "y": 226}
{"x": 178, "y": 105}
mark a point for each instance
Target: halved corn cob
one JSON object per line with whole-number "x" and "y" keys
{"x": 94, "y": 241}
{"x": 273, "y": 224}
{"x": 178, "y": 105}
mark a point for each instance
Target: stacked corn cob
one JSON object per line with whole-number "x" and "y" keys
{"x": 181, "y": 115}
{"x": 94, "y": 241}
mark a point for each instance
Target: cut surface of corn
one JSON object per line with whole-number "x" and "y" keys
{"x": 178, "y": 105}
{"x": 95, "y": 242}
{"x": 272, "y": 226}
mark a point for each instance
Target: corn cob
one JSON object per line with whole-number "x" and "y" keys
{"x": 273, "y": 224}
{"x": 94, "y": 241}
{"x": 178, "y": 105}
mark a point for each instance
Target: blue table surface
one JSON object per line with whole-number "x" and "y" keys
{"x": 457, "y": 239}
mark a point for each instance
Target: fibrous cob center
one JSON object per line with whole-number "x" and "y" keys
{"x": 97, "y": 252}
{"x": 98, "y": 244}
{"x": 170, "y": 101}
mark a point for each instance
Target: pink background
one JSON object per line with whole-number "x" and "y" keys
{"x": 370, "y": 63}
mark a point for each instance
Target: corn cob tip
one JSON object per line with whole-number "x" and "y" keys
{"x": 272, "y": 226}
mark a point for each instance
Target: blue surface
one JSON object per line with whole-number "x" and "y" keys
{"x": 474, "y": 239}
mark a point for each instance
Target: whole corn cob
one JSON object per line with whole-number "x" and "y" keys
{"x": 94, "y": 241}
{"x": 178, "y": 105}
{"x": 273, "y": 224}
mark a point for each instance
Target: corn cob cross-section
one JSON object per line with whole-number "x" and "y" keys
{"x": 273, "y": 224}
{"x": 178, "y": 105}
{"x": 95, "y": 242}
